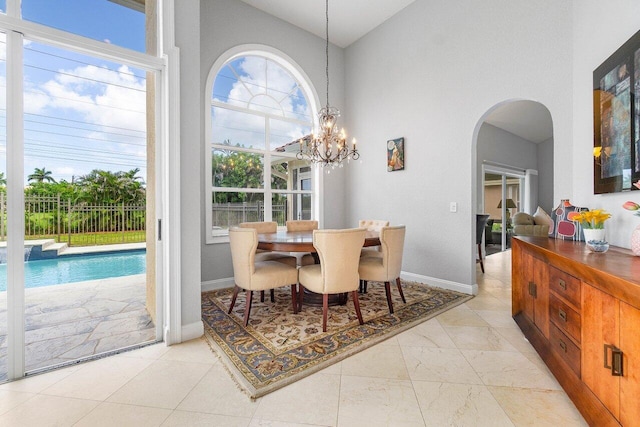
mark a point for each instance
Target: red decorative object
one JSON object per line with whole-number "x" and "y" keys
{"x": 565, "y": 227}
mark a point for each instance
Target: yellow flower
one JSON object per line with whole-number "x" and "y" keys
{"x": 597, "y": 151}
{"x": 593, "y": 219}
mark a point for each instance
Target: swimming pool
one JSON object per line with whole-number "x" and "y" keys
{"x": 78, "y": 268}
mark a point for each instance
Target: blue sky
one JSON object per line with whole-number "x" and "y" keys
{"x": 83, "y": 113}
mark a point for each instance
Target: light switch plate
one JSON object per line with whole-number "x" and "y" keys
{"x": 453, "y": 207}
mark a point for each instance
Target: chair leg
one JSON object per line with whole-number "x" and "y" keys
{"x": 261, "y": 296}
{"x": 360, "y": 287}
{"x": 236, "y": 288}
{"x": 294, "y": 298}
{"x": 273, "y": 295}
{"x": 387, "y": 290}
{"x": 356, "y": 304}
{"x": 480, "y": 256}
{"x": 300, "y": 295}
{"x": 364, "y": 287}
{"x": 247, "y": 307}
{"x": 399, "y": 285}
{"x": 325, "y": 308}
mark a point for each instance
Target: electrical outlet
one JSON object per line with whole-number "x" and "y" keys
{"x": 453, "y": 207}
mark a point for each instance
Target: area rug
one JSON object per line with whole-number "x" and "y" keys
{"x": 278, "y": 347}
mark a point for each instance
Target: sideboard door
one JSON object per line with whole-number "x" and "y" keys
{"x": 630, "y": 381}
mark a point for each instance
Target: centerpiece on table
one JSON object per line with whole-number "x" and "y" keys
{"x": 593, "y": 228}
{"x": 635, "y": 236}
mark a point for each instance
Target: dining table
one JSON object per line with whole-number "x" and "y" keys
{"x": 302, "y": 241}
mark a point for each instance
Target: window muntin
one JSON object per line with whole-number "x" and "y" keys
{"x": 258, "y": 111}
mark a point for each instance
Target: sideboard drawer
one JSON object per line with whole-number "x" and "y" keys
{"x": 565, "y": 285}
{"x": 565, "y": 348}
{"x": 565, "y": 317}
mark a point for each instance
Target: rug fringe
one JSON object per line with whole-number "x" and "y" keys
{"x": 216, "y": 352}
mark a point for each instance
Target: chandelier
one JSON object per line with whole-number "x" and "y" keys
{"x": 328, "y": 147}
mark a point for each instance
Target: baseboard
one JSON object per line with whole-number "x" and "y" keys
{"x": 441, "y": 283}
{"x": 228, "y": 282}
{"x": 192, "y": 331}
{"x": 212, "y": 285}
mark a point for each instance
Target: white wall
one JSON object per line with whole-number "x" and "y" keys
{"x": 596, "y": 37}
{"x": 429, "y": 74}
{"x": 226, "y": 24}
{"x": 188, "y": 41}
{"x": 545, "y": 176}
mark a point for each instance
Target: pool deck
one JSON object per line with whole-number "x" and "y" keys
{"x": 67, "y": 322}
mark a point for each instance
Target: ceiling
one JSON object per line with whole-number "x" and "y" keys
{"x": 348, "y": 19}
{"x": 527, "y": 119}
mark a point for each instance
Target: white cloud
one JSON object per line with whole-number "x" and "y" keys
{"x": 265, "y": 87}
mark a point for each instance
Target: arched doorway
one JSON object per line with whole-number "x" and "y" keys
{"x": 514, "y": 166}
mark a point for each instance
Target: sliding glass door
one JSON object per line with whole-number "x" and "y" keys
{"x": 503, "y": 197}
{"x": 74, "y": 206}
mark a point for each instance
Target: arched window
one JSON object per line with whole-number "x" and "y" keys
{"x": 260, "y": 108}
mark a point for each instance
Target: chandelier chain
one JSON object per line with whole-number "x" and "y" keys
{"x": 328, "y": 147}
{"x": 327, "y": 48}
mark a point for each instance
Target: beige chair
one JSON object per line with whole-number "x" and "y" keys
{"x": 264, "y": 255}
{"x": 372, "y": 225}
{"x": 339, "y": 252}
{"x": 257, "y": 276}
{"x": 303, "y": 225}
{"x": 388, "y": 266}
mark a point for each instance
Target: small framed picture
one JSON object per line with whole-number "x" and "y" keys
{"x": 395, "y": 154}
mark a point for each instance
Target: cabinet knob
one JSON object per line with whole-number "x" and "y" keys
{"x": 563, "y": 345}
{"x": 562, "y": 284}
{"x": 562, "y": 314}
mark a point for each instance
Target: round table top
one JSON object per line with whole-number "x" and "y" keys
{"x": 301, "y": 241}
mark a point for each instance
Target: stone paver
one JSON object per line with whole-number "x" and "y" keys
{"x": 77, "y": 320}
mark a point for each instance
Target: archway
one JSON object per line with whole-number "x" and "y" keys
{"x": 513, "y": 168}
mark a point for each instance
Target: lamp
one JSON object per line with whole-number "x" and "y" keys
{"x": 329, "y": 147}
{"x": 510, "y": 205}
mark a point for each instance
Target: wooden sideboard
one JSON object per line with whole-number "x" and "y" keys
{"x": 581, "y": 312}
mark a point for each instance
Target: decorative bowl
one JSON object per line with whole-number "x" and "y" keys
{"x": 598, "y": 246}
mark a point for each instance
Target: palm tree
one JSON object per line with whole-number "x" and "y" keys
{"x": 41, "y": 175}
{"x": 3, "y": 180}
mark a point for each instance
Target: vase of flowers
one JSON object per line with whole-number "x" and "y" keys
{"x": 592, "y": 223}
{"x": 635, "y": 236}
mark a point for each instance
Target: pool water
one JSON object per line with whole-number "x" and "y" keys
{"x": 78, "y": 268}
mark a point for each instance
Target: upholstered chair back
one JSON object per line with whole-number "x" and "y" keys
{"x": 392, "y": 244}
{"x": 339, "y": 254}
{"x": 243, "y": 242}
{"x": 372, "y": 224}
{"x": 261, "y": 227}
{"x": 302, "y": 225}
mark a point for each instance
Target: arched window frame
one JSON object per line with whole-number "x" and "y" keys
{"x": 288, "y": 64}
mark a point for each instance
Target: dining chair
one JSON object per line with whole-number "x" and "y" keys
{"x": 387, "y": 267}
{"x": 337, "y": 273}
{"x": 257, "y": 276}
{"x": 266, "y": 227}
{"x": 372, "y": 225}
{"x": 303, "y": 225}
{"x": 481, "y": 221}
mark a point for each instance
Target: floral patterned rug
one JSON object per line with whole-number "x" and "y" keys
{"x": 278, "y": 347}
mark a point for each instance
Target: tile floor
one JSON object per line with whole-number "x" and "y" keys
{"x": 75, "y": 320}
{"x": 469, "y": 366}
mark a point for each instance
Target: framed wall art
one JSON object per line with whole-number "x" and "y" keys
{"x": 616, "y": 120}
{"x": 395, "y": 154}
